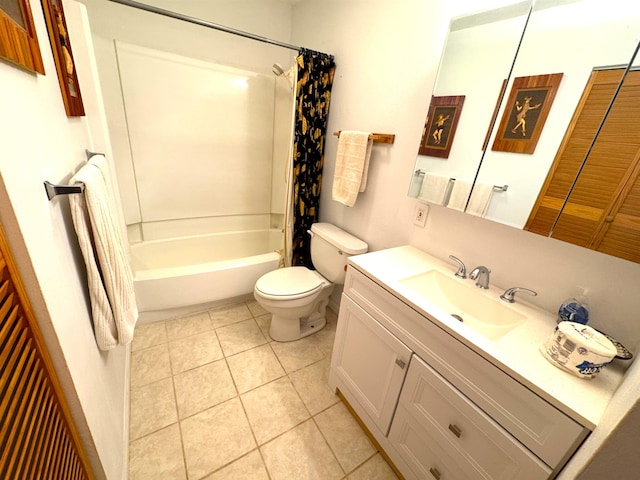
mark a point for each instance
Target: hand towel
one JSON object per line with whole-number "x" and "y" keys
{"x": 480, "y": 199}
{"x": 113, "y": 303}
{"x": 352, "y": 163}
{"x": 459, "y": 195}
{"x": 435, "y": 188}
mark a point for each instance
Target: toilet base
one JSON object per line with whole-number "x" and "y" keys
{"x": 287, "y": 329}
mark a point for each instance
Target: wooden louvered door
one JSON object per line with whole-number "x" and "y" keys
{"x": 38, "y": 440}
{"x": 602, "y": 211}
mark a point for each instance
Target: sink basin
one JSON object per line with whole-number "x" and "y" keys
{"x": 490, "y": 317}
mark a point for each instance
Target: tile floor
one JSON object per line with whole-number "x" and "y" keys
{"x": 212, "y": 397}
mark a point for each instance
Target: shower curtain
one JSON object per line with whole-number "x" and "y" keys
{"x": 315, "y": 79}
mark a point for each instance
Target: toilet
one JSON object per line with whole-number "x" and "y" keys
{"x": 297, "y": 297}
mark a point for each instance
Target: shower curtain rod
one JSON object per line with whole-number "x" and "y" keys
{"x": 203, "y": 23}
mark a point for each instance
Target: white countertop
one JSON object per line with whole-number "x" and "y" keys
{"x": 516, "y": 353}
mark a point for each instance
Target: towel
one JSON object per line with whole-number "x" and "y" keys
{"x": 480, "y": 199}
{"x": 113, "y": 303}
{"x": 352, "y": 163}
{"x": 459, "y": 195}
{"x": 435, "y": 189}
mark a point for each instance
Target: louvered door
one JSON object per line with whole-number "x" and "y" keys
{"x": 37, "y": 438}
{"x": 602, "y": 212}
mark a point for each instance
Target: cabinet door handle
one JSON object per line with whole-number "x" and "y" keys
{"x": 401, "y": 363}
{"x": 455, "y": 429}
{"x": 435, "y": 473}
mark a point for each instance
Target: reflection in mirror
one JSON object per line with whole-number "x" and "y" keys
{"x": 477, "y": 58}
{"x": 573, "y": 38}
{"x": 602, "y": 210}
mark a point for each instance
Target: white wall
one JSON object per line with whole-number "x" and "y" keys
{"x": 387, "y": 54}
{"x": 39, "y": 142}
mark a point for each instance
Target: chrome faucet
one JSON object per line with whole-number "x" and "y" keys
{"x": 509, "y": 293}
{"x": 481, "y": 276}
{"x": 462, "y": 270}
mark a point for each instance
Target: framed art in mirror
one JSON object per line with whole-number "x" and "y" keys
{"x": 18, "y": 39}
{"x": 440, "y": 126}
{"x": 526, "y": 111}
{"x": 63, "y": 57}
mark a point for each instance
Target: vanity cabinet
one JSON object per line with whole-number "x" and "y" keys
{"x": 452, "y": 413}
{"x": 371, "y": 362}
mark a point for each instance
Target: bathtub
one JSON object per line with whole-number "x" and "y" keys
{"x": 187, "y": 271}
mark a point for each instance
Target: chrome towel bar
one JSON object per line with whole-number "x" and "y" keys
{"x": 53, "y": 190}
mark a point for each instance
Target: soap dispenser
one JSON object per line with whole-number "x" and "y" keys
{"x": 575, "y": 309}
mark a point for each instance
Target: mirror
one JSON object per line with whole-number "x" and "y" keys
{"x": 477, "y": 75}
{"x": 572, "y": 38}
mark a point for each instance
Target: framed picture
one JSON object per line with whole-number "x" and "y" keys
{"x": 18, "y": 39}
{"x": 63, "y": 57}
{"x": 526, "y": 111}
{"x": 440, "y": 126}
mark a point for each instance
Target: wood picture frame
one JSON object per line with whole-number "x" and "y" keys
{"x": 18, "y": 39}
{"x": 526, "y": 112}
{"x": 440, "y": 126}
{"x": 63, "y": 57}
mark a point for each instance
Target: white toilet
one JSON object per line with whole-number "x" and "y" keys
{"x": 297, "y": 297}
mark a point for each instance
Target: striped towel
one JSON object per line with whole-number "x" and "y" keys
{"x": 113, "y": 303}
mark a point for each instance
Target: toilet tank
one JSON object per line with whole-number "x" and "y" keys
{"x": 330, "y": 247}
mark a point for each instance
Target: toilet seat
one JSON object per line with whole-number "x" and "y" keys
{"x": 289, "y": 283}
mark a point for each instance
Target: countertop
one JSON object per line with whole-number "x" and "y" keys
{"x": 516, "y": 353}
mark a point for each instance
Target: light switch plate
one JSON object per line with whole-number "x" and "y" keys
{"x": 420, "y": 214}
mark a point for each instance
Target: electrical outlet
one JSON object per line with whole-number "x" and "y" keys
{"x": 420, "y": 214}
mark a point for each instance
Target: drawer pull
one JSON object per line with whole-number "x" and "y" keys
{"x": 435, "y": 473}
{"x": 401, "y": 363}
{"x": 455, "y": 429}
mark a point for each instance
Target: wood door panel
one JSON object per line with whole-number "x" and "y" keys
{"x": 602, "y": 211}
{"x": 37, "y": 437}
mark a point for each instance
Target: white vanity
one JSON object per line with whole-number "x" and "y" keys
{"x": 456, "y": 400}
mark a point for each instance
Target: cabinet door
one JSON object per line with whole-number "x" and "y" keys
{"x": 370, "y": 362}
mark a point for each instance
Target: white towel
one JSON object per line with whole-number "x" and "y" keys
{"x": 113, "y": 303}
{"x": 459, "y": 195}
{"x": 480, "y": 199}
{"x": 435, "y": 189}
{"x": 352, "y": 164}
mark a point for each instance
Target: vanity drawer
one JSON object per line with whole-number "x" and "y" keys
{"x": 543, "y": 429}
{"x": 431, "y": 407}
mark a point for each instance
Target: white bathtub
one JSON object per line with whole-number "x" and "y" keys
{"x": 186, "y": 271}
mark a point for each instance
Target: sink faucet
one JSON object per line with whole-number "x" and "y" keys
{"x": 481, "y": 276}
{"x": 509, "y": 293}
{"x": 462, "y": 270}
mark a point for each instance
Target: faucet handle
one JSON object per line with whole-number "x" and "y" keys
{"x": 509, "y": 293}
{"x": 462, "y": 270}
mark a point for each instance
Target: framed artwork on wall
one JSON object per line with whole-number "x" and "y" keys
{"x": 440, "y": 126}
{"x": 63, "y": 57}
{"x": 18, "y": 39}
{"x": 526, "y": 111}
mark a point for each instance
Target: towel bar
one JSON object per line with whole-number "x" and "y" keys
{"x": 378, "y": 137}
{"x": 53, "y": 190}
{"x": 90, "y": 154}
{"x": 496, "y": 188}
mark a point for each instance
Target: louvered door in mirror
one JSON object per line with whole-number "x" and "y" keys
{"x": 37, "y": 437}
{"x": 600, "y": 180}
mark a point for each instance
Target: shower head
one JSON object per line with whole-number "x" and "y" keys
{"x": 277, "y": 69}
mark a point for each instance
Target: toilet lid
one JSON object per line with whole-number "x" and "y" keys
{"x": 288, "y": 282}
